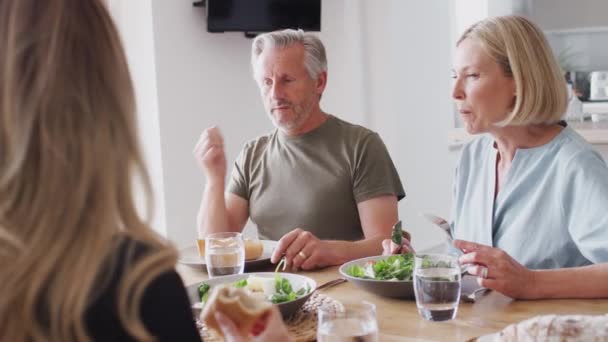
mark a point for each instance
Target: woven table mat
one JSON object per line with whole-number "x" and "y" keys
{"x": 302, "y": 325}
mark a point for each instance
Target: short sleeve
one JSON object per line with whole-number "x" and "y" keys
{"x": 585, "y": 204}
{"x": 239, "y": 178}
{"x": 374, "y": 172}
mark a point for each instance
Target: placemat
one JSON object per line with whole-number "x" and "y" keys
{"x": 302, "y": 325}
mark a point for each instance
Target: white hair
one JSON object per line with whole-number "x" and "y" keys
{"x": 315, "y": 59}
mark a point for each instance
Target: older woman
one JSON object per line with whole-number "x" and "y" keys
{"x": 77, "y": 262}
{"x": 531, "y": 197}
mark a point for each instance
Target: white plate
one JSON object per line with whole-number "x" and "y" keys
{"x": 189, "y": 256}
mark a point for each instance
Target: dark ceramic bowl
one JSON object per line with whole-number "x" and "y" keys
{"x": 386, "y": 288}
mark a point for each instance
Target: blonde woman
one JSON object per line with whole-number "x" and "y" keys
{"x": 530, "y": 196}
{"x": 77, "y": 263}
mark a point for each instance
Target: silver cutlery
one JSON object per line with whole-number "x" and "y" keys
{"x": 439, "y": 222}
{"x": 331, "y": 283}
{"x": 445, "y": 227}
{"x": 475, "y": 295}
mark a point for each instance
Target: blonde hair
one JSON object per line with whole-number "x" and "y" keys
{"x": 68, "y": 154}
{"x": 524, "y": 54}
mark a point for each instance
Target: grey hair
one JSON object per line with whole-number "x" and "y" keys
{"x": 315, "y": 59}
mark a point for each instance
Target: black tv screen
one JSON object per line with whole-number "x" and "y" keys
{"x": 263, "y": 15}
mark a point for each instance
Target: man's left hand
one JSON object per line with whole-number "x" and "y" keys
{"x": 303, "y": 250}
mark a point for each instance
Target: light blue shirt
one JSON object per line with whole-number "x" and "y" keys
{"x": 551, "y": 211}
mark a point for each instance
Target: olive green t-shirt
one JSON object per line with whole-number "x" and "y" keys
{"x": 315, "y": 180}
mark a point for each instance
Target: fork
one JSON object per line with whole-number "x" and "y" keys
{"x": 331, "y": 283}
{"x": 471, "y": 298}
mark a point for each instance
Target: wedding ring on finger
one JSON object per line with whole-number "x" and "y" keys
{"x": 302, "y": 255}
{"x": 484, "y": 272}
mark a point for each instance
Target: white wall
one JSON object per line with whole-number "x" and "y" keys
{"x": 388, "y": 69}
{"x": 134, "y": 21}
{"x": 409, "y": 63}
{"x": 205, "y": 79}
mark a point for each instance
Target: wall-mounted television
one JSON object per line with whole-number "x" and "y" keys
{"x": 262, "y": 15}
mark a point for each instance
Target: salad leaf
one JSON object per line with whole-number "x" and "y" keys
{"x": 283, "y": 288}
{"x": 357, "y": 271}
{"x": 303, "y": 290}
{"x": 283, "y": 285}
{"x": 241, "y": 283}
{"x": 397, "y": 235}
{"x": 394, "y": 267}
{"x": 203, "y": 292}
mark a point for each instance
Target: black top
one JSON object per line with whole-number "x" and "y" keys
{"x": 165, "y": 308}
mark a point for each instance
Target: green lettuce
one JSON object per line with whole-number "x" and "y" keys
{"x": 394, "y": 267}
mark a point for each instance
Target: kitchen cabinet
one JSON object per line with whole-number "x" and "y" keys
{"x": 594, "y": 132}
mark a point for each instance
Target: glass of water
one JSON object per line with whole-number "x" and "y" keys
{"x": 352, "y": 322}
{"x": 437, "y": 284}
{"x": 224, "y": 254}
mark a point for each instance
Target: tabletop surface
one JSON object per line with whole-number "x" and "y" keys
{"x": 399, "y": 320}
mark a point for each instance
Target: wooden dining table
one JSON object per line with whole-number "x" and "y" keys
{"x": 398, "y": 320}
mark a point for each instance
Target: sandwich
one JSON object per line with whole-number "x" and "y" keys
{"x": 236, "y": 303}
{"x": 254, "y": 248}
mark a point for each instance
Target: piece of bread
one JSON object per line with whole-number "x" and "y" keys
{"x": 236, "y": 303}
{"x": 200, "y": 244}
{"x": 254, "y": 248}
{"x": 557, "y": 328}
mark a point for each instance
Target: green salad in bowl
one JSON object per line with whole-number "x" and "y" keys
{"x": 388, "y": 276}
{"x": 394, "y": 267}
{"x": 276, "y": 289}
{"x": 287, "y": 290}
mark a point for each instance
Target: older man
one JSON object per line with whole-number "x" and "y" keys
{"x": 325, "y": 188}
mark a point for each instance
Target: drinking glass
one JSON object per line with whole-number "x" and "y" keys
{"x": 352, "y": 322}
{"x": 437, "y": 285}
{"x": 224, "y": 254}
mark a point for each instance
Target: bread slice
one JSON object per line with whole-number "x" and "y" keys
{"x": 236, "y": 303}
{"x": 253, "y": 249}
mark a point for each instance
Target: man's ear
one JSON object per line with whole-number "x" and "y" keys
{"x": 321, "y": 82}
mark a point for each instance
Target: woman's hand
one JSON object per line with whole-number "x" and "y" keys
{"x": 389, "y": 247}
{"x": 497, "y": 270}
{"x": 269, "y": 327}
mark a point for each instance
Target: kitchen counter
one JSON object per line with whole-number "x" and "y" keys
{"x": 594, "y": 132}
